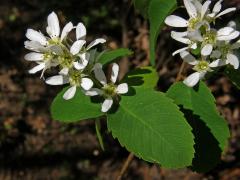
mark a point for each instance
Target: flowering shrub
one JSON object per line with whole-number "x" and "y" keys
{"x": 179, "y": 128}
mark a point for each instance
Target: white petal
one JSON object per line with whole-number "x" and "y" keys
{"x": 34, "y": 46}
{"x": 36, "y": 36}
{"x": 115, "y": 70}
{"x": 217, "y": 63}
{"x": 236, "y": 45}
{"x": 207, "y": 50}
{"x": 216, "y": 54}
{"x": 175, "y": 34}
{"x": 176, "y": 21}
{"x": 77, "y": 46}
{"x": 34, "y": 56}
{"x": 229, "y": 37}
{"x": 107, "y": 104}
{"x": 205, "y": 7}
{"x": 193, "y": 79}
{"x": 217, "y": 7}
{"x": 79, "y": 66}
{"x": 69, "y": 94}
{"x": 86, "y": 83}
{"x": 194, "y": 46}
{"x": 233, "y": 60}
{"x": 225, "y": 31}
{"x": 232, "y": 24}
{"x": 195, "y": 35}
{"x": 57, "y": 80}
{"x": 192, "y": 11}
{"x": 53, "y": 28}
{"x": 187, "y": 57}
{"x": 99, "y": 74}
{"x": 122, "y": 88}
{"x": 226, "y": 11}
{"x": 198, "y": 5}
{"x": 81, "y": 31}
{"x": 67, "y": 28}
{"x": 37, "y": 68}
{"x": 64, "y": 71}
{"x": 180, "y": 50}
{"x": 84, "y": 58}
{"x": 96, "y": 42}
{"x": 94, "y": 92}
{"x": 178, "y": 37}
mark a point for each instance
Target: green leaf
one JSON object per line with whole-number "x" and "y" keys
{"x": 142, "y": 6}
{"x": 158, "y": 10}
{"x": 111, "y": 56}
{"x": 210, "y": 129}
{"x": 233, "y": 75}
{"x": 76, "y": 109}
{"x": 151, "y": 126}
{"x": 145, "y": 76}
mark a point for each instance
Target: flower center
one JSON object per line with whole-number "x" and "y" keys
{"x": 202, "y": 66}
{"x": 109, "y": 90}
{"x": 75, "y": 77}
{"x": 66, "y": 60}
{"x": 210, "y": 37}
{"x": 54, "y": 41}
{"x": 192, "y": 23}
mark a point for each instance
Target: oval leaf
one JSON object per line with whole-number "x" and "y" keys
{"x": 210, "y": 129}
{"x": 152, "y": 127}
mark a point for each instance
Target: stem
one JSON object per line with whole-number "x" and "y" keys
{"x": 98, "y": 131}
{"x": 125, "y": 166}
{"x": 179, "y": 76}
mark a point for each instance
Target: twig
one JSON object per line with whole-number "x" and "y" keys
{"x": 179, "y": 76}
{"x": 125, "y": 166}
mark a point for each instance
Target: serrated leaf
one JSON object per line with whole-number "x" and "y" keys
{"x": 144, "y": 76}
{"x": 142, "y": 6}
{"x": 151, "y": 126}
{"x": 111, "y": 56}
{"x": 233, "y": 75}
{"x": 210, "y": 129}
{"x": 158, "y": 10}
{"x": 76, "y": 109}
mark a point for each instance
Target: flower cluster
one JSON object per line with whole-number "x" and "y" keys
{"x": 75, "y": 61}
{"x": 206, "y": 47}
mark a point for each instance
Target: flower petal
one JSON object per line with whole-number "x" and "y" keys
{"x": 64, "y": 71}
{"x": 37, "y": 68}
{"x": 225, "y": 31}
{"x": 233, "y": 60}
{"x": 217, "y": 7}
{"x": 77, "y": 46}
{"x": 176, "y": 21}
{"x": 229, "y": 37}
{"x": 226, "y": 11}
{"x": 57, "y": 80}
{"x": 94, "y": 92}
{"x": 217, "y": 63}
{"x": 193, "y": 79}
{"x": 86, "y": 83}
{"x": 207, "y": 50}
{"x": 34, "y": 46}
{"x": 114, "y": 74}
{"x": 67, "y": 28}
{"x": 205, "y": 7}
{"x": 81, "y": 31}
{"x": 187, "y": 57}
{"x": 122, "y": 88}
{"x": 191, "y": 9}
{"x": 79, "y": 66}
{"x": 178, "y": 36}
{"x": 53, "y": 28}
{"x": 107, "y": 104}
{"x": 96, "y": 42}
{"x": 99, "y": 74}
{"x": 34, "y": 56}
{"x": 180, "y": 50}
{"x": 36, "y": 36}
{"x": 69, "y": 94}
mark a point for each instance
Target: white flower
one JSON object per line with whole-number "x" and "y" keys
{"x": 108, "y": 90}
{"x": 198, "y": 14}
{"x": 225, "y": 51}
{"x": 75, "y": 78}
{"x": 43, "y": 56}
{"x": 211, "y": 38}
{"x": 217, "y": 8}
{"x": 200, "y": 66}
{"x": 53, "y": 30}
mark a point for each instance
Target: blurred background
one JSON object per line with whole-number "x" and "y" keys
{"x": 34, "y": 147}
